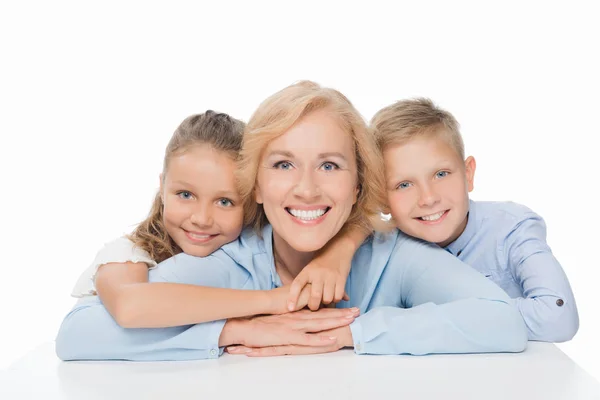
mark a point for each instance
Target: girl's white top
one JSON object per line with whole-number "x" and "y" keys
{"x": 121, "y": 250}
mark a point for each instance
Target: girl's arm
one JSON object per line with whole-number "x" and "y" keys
{"x": 89, "y": 332}
{"x": 135, "y": 303}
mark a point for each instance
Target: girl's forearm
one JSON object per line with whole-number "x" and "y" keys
{"x": 156, "y": 305}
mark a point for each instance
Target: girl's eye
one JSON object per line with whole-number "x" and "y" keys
{"x": 441, "y": 174}
{"x": 225, "y": 202}
{"x": 185, "y": 195}
{"x": 329, "y": 166}
{"x": 404, "y": 185}
{"x": 285, "y": 165}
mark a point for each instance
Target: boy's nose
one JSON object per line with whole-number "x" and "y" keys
{"x": 428, "y": 198}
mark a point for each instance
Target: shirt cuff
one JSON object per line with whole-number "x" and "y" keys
{"x": 357, "y": 337}
{"x": 214, "y": 351}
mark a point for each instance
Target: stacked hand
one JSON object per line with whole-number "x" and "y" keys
{"x": 299, "y": 332}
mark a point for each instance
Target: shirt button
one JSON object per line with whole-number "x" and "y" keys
{"x": 357, "y": 346}
{"x": 560, "y": 302}
{"x": 213, "y": 352}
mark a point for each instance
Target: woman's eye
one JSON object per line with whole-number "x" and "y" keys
{"x": 404, "y": 185}
{"x": 329, "y": 166}
{"x": 225, "y": 202}
{"x": 285, "y": 165}
{"x": 185, "y": 195}
{"x": 441, "y": 174}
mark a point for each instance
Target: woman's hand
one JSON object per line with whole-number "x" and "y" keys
{"x": 301, "y": 328}
{"x": 343, "y": 335}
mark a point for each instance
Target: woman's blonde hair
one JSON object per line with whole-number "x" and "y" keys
{"x": 407, "y": 119}
{"x": 218, "y": 130}
{"x": 277, "y": 114}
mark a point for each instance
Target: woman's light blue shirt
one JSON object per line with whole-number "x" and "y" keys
{"x": 414, "y": 297}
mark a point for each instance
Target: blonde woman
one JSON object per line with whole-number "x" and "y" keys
{"x": 309, "y": 168}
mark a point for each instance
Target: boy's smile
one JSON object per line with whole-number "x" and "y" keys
{"x": 428, "y": 186}
{"x": 433, "y": 218}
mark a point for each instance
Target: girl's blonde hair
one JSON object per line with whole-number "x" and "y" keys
{"x": 407, "y": 119}
{"x": 218, "y": 130}
{"x": 277, "y": 114}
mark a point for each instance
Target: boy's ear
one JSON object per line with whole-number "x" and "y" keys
{"x": 470, "y": 166}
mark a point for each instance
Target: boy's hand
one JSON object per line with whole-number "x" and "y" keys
{"x": 326, "y": 280}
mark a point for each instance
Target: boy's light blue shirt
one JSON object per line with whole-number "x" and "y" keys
{"x": 414, "y": 298}
{"x": 506, "y": 242}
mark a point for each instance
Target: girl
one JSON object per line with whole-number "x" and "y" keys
{"x": 196, "y": 211}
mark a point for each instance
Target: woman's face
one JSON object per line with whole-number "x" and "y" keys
{"x": 307, "y": 181}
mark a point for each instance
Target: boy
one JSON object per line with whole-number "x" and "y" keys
{"x": 428, "y": 180}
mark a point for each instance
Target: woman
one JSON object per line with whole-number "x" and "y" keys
{"x": 309, "y": 169}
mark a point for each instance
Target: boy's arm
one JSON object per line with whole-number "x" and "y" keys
{"x": 328, "y": 271}
{"x": 548, "y": 306}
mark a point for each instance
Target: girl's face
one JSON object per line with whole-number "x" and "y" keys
{"x": 202, "y": 208}
{"x": 307, "y": 181}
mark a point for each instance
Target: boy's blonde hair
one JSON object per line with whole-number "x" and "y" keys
{"x": 407, "y": 119}
{"x": 277, "y": 114}
{"x": 218, "y": 130}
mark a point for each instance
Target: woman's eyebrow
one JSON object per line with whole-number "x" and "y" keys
{"x": 333, "y": 154}
{"x": 283, "y": 153}
{"x": 289, "y": 154}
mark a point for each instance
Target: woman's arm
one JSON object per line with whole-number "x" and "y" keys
{"x": 450, "y": 307}
{"x": 89, "y": 332}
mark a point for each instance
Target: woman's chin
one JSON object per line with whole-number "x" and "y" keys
{"x": 307, "y": 244}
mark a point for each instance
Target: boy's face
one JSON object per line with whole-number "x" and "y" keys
{"x": 428, "y": 185}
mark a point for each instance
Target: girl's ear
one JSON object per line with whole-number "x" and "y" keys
{"x": 160, "y": 187}
{"x": 257, "y": 194}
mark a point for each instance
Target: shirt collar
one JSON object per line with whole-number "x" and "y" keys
{"x": 459, "y": 244}
{"x": 267, "y": 235}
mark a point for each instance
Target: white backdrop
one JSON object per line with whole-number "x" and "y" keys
{"x": 90, "y": 95}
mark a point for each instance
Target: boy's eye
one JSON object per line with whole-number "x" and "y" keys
{"x": 404, "y": 185}
{"x": 184, "y": 194}
{"x": 285, "y": 165}
{"x": 329, "y": 166}
{"x": 441, "y": 174}
{"x": 225, "y": 202}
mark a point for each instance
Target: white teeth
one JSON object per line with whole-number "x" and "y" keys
{"x": 198, "y": 236}
{"x": 307, "y": 215}
{"x": 433, "y": 217}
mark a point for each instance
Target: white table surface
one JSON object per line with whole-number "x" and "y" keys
{"x": 541, "y": 372}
